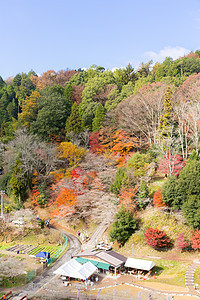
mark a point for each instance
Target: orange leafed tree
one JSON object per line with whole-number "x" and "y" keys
{"x": 66, "y": 197}
{"x": 127, "y": 198}
{"x": 34, "y": 197}
{"x": 157, "y": 199}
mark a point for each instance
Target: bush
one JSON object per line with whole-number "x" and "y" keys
{"x": 156, "y": 238}
{"x": 196, "y": 240}
{"x": 180, "y": 242}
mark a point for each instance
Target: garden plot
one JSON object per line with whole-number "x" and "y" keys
{"x": 20, "y": 248}
{"x": 50, "y": 249}
{"x": 33, "y": 250}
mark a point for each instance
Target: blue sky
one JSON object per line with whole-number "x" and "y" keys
{"x": 58, "y": 34}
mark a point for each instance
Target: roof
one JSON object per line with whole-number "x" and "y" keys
{"x": 87, "y": 270}
{"x": 140, "y": 264}
{"x": 109, "y": 259}
{"x": 74, "y": 269}
{"x": 42, "y": 254}
{"x": 68, "y": 268}
{"x": 103, "y": 266}
{"x": 97, "y": 264}
{"x": 117, "y": 255}
{"x": 89, "y": 252}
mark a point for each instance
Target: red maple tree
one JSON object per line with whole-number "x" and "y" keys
{"x": 156, "y": 238}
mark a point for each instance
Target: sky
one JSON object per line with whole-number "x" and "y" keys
{"x": 43, "y": 35}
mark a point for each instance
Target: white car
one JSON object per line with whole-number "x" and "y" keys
{"x": 102, "y": 246}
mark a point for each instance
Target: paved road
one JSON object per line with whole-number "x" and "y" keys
{"x": 74, "y": 248}
{"x": 96, "y": 236}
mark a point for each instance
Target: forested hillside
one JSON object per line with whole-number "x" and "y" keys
{"x": 81, "y": 141}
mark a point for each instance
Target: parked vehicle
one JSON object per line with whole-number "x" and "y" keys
{"x": 102, "y": 246}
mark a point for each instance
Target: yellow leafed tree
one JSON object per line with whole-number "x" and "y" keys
{"x": 72, "y": 154}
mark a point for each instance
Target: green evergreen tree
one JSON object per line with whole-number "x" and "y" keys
{"x": 170, "y": 193}
{"x": 120, "y": 180}
{"x": 2, "y": 82}
{"x": 193, "y": 156}
{"x": 143, "y": 195}
{"x": 188, "y": 192}
{"x": 68, "y": 93}
{"x": 51, "y": 117}
{"x": 17, "y": 80}
{"x": 74, "y": 122}
{"x": 191, "y": 209}
{"x": 99, "y": 118}
{"x": 18, "y": 181}
{"x": 123, "y": 227}
{"x": 189, "y": 181}
{"x": 165, "y": 120}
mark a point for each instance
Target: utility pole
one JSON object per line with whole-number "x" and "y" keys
{"x": 2, "y": 193}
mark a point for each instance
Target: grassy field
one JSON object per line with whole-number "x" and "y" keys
{"x": 171, "y": 272}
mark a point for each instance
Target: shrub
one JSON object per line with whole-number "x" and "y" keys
{"x": 196, "y": 240}
{"x": 180, "y": 242}
{"x": 156, "y": 238}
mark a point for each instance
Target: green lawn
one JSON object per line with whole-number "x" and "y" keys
{"x": 171, "y": 272}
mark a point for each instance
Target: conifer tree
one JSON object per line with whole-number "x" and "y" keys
{"x": 74, "y": 122}
{"x": 18, "y": 181}
{"x": 165, "y": 120}
{"x": 68, "y": 93}
{"x": 123, "y": 227}
{"x": 99, "y": 118}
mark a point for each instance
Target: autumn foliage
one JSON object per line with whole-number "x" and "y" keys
{"x": 172, "y": 164}
{"x": 95, "y": 145}
{"x": 70, "y": 153}
{"x": 127, "y": 198}
{"x": 180, "y": 242}
{"x": 66, "y": 197}
{"x": 157, "y": 199}
{"x": 51, "y": 77}
{"x": 156, "y": 238}
{"x": 196, "y": 240}
{"x": 115, "y": 144}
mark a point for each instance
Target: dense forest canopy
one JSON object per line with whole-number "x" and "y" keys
{"x": 50, "y": 123}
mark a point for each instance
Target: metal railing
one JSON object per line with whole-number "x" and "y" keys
{"x": 52, "y": 259}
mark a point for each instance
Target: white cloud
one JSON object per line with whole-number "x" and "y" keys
{"x": 174, "y": 53}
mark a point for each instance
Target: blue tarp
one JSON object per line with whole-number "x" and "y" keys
{"x": 43, "y": 254}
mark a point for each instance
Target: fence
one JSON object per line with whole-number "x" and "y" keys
{"x": 29, "y": 276}
{"x": 21, "y": 279}
{"x": 58, "y": 253}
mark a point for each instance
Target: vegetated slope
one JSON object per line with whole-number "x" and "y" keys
{"x": 60, "y": 132}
